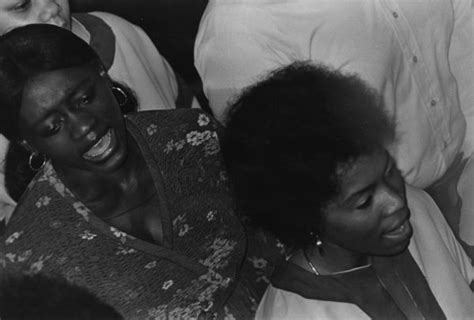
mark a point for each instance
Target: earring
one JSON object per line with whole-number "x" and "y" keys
{"x": 120, "y": 95}
{"x": 318, "y": 243}
{"x": 36, "y": 161}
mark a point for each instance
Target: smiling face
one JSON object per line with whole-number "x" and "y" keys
{"x": 72, "y": 117}
{"x": 370, "y": 214}
{"x": 16, "y": 13}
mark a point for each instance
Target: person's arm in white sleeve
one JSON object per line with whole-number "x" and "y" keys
{"x": 461, "y": 58}
{"x": 457, "y": 252}
{"x": 7, "y": 205}
{"x": 227, "y": 63}
{"x": 180, "y": 90}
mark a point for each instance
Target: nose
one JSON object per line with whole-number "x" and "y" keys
{"x": 80, "y": 124}
{"x": 48, "y": 10}
{"x": 393, "y": 199}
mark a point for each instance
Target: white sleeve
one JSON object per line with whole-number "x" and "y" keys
{"x": 461, "y": 58}
{"x": 428, "y": 214}
{"x": 138, "y": 63}
{"x": 278, "y": 304}
{"x": 7, "y": 205}
{"x": 230, "y": 61}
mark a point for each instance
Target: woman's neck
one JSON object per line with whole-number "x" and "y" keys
{"x": 93, "y": 185}
{"x": 331, "y": 259}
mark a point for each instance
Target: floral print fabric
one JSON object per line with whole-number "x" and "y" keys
{"x": 196, "y": 267}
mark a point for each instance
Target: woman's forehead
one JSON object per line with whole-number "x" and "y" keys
{"x": 49, "y": 89}
{"x": 60, "y": 81}
{"x": 362, "y": 171}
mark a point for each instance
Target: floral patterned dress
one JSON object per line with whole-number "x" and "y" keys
{"x": 197, "y": 266}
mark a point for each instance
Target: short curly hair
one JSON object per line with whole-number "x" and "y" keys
{"x": 286, "y": 137}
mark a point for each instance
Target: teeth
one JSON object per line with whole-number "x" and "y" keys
{"x": 100, "y": 147}
{"x": 398, "y": 230}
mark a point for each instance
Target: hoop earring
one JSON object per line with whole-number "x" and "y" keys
{"x": 35, "y": 163}
{"x": 120, "y": 96}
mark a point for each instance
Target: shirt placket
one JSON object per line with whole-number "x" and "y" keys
{"x": 428, "y": 85}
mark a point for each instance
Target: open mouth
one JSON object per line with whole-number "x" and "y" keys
{"x": 398, "y": 230}
{"x": 401, "y": 231}
{"x": 102, "y": 148}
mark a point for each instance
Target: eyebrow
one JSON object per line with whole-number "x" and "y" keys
{"x": 70, "y": 92}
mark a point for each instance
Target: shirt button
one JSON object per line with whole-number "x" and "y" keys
{"x": 415, "y": 59}
{"x": 433, "y": 102}
{"x": 395, "y": 14}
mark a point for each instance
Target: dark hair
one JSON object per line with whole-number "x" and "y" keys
{"x": 287, "y": 135}
{"x": 30, "y": 50}
{"x": 24, "y": 297}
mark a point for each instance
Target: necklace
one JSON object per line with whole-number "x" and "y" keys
{"x": 317, "y": 273}
{"x": 310, "y": 264}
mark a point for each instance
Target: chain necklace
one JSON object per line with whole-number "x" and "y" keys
{"x": 310, "y": 264}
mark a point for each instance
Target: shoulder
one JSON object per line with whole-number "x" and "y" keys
{"x": 46, "y": 193}
{"x": 180, "y": 137}
{"x": 418, "y": 199}
{"x": 424, "y": 210}
{"x": 431, "y": 231}
{"x": 94, "y": 19}
{"x": 128, "y": 36}
{"x": 174, "y": 119}
{"x": 281, "y": 304}
{"x": 122, "y": 29}
{"x": 237, "y": 24}
{"x": 112, "y": 19}
{"x": 178, "y": 131}
{"x": 39, "y": 219}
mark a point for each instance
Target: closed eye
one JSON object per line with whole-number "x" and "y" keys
{"x": 22, "y": 6}
{"x": 365, "y": 204}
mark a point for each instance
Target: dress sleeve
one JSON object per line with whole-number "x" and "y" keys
{"x": 461, "y": 58}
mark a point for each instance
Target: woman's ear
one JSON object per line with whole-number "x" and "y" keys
{"x": 27, "y": 146}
